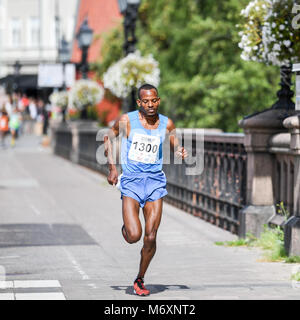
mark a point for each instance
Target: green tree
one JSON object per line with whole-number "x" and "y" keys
{"x": 111, "y": 50}
{"x": 204, "y": 82}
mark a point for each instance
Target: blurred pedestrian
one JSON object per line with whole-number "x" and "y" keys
{"x": 43, "y": 114}
{"x": 21, "y": 109}
{"x": 25, "y": 104}
{"x": 9, "y": 105}
{"x": 32, "y": 109}
{"x": 4, "y": 126}
{"x": 14, "y": 125}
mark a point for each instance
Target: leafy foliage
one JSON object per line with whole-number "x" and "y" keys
{"x": 131, "y": 72}
{"x": 60, "y": 98}
{"x": 271, "y": 240}
{"x": 86, "y": 93}
{"x": 268, "y": 34}
{"x": 204, "y": 82}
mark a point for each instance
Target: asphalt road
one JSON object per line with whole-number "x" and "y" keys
{"x": 60, "y": 239}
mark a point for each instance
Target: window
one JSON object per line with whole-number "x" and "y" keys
{"x": 34, "y": 31}
{"x": 16, "y": 32}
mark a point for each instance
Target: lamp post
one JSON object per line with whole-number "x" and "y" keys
{"x": 84, "y": 38}
{"x": 129, "y": 9}
{"x": 64, "y": 55}
{"x": 296, "y": 69}
{"x": 17, "y": 67}
{"x": 285, "y": 94}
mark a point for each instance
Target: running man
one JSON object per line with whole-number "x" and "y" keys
{"x": 142, "y": 183}
{"x": 4, "y": 127}
{"x": 15, "y": 121}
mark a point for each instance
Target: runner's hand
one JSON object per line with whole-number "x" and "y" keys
{"x": 113, "y": 177}
{"x": 181, "y": 153}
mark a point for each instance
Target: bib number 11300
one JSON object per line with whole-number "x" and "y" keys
{"x": 144, "y": 148}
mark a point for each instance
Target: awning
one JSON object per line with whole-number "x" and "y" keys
{"x": 24, "y": 81}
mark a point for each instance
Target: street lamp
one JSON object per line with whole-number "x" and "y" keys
{"x": 63, "y": 51}
{"x": 17, "y": 67}
{"x": 84, "y": 38}
{"x": 129, "y": 9}
{"x": 296, "y": 68}
{"x": 64, "y": 56}
{"x": 285, "y": 94}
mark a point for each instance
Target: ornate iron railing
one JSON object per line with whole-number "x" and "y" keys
{"x": 63, "y": 142}
{"x": 219, "y": 192}
{"x": 216, "y": 195}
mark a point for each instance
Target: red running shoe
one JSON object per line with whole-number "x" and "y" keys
{"x": 139, "y": 288}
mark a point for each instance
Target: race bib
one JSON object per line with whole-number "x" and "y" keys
{"x": 144, "y": 148}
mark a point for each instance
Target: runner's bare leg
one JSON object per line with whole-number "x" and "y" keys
{"x": 152, "y": 214}
{"x": 132, "y": 223}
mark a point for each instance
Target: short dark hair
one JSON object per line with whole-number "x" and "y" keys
{"x": 146, "y": 86}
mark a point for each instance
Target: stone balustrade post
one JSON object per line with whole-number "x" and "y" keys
{"x": 78, "y": 128}
{"x": 74, "y": 155}
{"x": 292, "y": 226}
{"x": 259, "y": 128}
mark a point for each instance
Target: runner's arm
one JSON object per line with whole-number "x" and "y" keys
{"x": 180, "y": 151}
{"x": 108, "y": 139}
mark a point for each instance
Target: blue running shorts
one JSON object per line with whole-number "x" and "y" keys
{"x": 143, "y": 186}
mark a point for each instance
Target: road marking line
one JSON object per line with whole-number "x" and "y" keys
{"x": 19, "y": 183}
{"x": 76, "y": 265}
{"x": 6, "y": 284}
{"x": 40, "y": 296}
{"x": 31, "y": 284}
{"x": 35, "y": 210}
{"x": 36, "y": 284}
{"x": 7, "y": 296}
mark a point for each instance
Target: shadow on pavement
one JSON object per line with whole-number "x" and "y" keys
{"x": 154, "y": 288}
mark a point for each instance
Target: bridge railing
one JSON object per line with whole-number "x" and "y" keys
{"x": 216, "y": 195}
{"x": 245, "y": 175}
{"x": 219, "y": 192}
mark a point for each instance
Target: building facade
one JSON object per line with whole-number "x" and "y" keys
{"x": 102, "y": 16}
{"x": 31, "y": 30}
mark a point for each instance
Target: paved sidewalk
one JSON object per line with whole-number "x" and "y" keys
{"x": 60, "y": 223}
